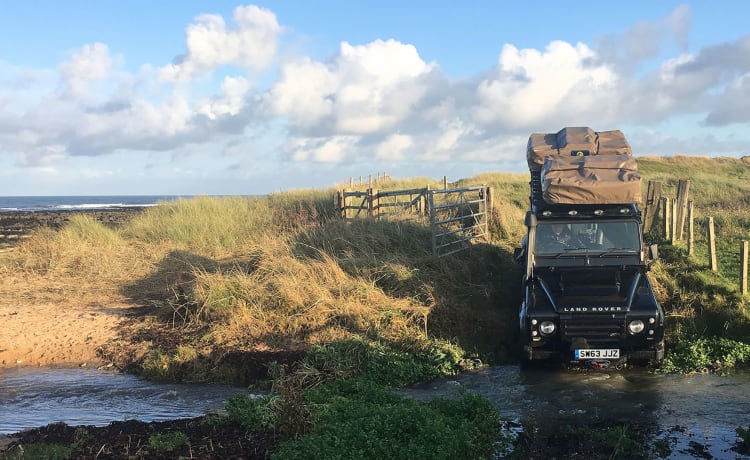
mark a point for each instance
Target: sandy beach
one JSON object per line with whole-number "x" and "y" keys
{"x": 52, "y": 334}
{"x": 56, "y": 335}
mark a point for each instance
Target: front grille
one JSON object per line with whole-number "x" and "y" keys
{"x": 594, "y": 328}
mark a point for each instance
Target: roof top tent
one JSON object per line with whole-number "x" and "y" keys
{"x": 578, "y": 167}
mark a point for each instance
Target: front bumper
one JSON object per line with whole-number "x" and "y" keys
{"x": 652, "y": 353}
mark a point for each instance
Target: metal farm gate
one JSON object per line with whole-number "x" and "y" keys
{"x": 457, "y": 215}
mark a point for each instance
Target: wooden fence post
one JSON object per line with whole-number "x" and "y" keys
{"x": 713, "y": 264}
{"x": 345, "y": 205}
{"x": 743, "y": 266}
{"x": 675, "y": 235}
{"x": 691, "y": 229}
{"x": 425, "y": 201}
{"x": 488, "y": 203}
{"x": 683, "y": 192}
{"x": 368, "y": 198}
{"x": 445, "y": 182}
{"x": 338, "y": 202}
{"x": 653, "y": 200}
{"x": 373, "y": 202}
{"x": 667, "y": 218}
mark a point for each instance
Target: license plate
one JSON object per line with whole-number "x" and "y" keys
{"x": 598, "y": 353}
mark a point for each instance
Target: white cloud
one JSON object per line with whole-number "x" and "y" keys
{"x": 231, "y": 100}
{"x": 304, "y": 93}
{"x": 531, "y": 85}
{"x": 210, "y": 43}
{"x": 44, "y": 157}
{"x": 334, "y": 149}
{"x": 732, "y": 106}
{"x": 450, "y": 135}
{"x": 679, "y": 23}
{"x": 393, "y": 147}
{"x": 364, "y": 89}
{"x": 89, "y": 64}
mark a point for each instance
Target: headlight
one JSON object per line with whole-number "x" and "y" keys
{"x": 547, "y": 327}
{"x": 636, "y": 326}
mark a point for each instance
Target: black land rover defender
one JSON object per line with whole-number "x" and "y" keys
{"x": 586, "y": 292}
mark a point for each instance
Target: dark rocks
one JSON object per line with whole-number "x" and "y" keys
{"x": 17, "y": 225}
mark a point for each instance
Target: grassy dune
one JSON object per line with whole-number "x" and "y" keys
{"x": 228, "y": 276}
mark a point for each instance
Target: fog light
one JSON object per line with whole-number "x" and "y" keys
{"x": 651, "y": 320}
{"x": 533, "y": 322}
{"x": 547, "y": 327}
{"x": 534, "y": 333}
{"x": 636, "y": 326}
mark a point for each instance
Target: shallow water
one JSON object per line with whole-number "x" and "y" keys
{"x": 697, "y": 414}
{"x": 34, "y": 397}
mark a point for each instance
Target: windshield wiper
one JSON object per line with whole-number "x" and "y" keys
{"x": 617, "y": 250}
{"x": 565, "y": 252}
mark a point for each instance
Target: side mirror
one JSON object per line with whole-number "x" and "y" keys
{"x": 653, "y": 252}
{"x": 530, "y": 219}
{"x": 518, "y": 255}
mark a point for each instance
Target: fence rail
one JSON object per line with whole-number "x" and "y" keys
{"x": 457, "y": 215}
{"x": 372, "y": 203}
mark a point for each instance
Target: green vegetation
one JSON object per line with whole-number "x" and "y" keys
{"x": 167, "y": 442}
{"x": 744, "y": 435}
{"x": 349, "y": 412}
{"x": 37, "y": 451}
{"x": 611, "y": 443}
{"x": 360, "y": 307}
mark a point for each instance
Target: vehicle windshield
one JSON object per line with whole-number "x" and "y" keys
{"x": 575, "y": 237}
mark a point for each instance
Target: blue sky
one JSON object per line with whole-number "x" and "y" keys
{"x": 222, "y": 97}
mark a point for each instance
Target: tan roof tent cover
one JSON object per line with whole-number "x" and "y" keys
{"x": 580, "y": 166}
{"x": 591, "y": 180}
{"x": 570, "y": 141}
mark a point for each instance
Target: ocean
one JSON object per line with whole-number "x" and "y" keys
{"x": 72, "y": 203}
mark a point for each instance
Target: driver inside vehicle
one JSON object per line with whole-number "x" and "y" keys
{"x": 556, "y": 236}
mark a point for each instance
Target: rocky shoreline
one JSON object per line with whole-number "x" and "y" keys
{"x": 17, "y": 225}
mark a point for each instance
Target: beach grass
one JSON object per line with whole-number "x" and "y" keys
{"x": 283, "y": 271}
